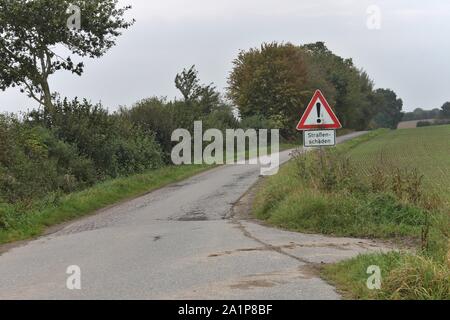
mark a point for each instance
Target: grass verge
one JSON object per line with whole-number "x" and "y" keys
{"x": 295, "y": 202}
{"x": 18, "y": 222}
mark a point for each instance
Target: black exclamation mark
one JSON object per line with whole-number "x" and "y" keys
{"x": 318, "y": 106}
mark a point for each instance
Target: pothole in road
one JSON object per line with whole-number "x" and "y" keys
{"x": 194, "y": 215}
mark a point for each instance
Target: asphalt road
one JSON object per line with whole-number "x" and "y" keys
{"x": 180, "y": 242}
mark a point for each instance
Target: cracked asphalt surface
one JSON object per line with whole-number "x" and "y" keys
{"x": 185, "y": 241}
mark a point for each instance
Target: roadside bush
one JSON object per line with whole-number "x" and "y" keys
{"x": 423, "y": 124}
{"x": 34, "y": 162}
{"x": 115, "y": 146}
{"x": 136, "y": 154}
{"x": 256, "y": 122}
{"x": 75, "y": 144}
{"x": 69, "y": 148}
{"x": 221, "y": 118}
{"x": 437, "y": 122}
{"x": 153, "y": 115}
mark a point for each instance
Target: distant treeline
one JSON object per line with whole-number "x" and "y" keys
{"x": 428, "y": 123}
{"x": 421, "y": 114}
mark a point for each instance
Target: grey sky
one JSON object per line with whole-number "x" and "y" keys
{"x": 410, "y": 53}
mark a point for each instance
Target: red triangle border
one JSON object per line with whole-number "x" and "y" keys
{"x": 318, "y": 95}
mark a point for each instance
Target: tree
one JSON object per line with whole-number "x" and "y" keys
{"x": 388, "y": 107}
{"x": 189, "y": 84}
{"x": 277, "y": 81}
{"x": 272, "y": 82}
{"x": 205, "y": 97}
{"x": 353, "y": 87}
{"x": 446, "y": 110}
{"x": 32, "y": 31}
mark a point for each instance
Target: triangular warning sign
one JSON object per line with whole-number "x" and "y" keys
{"x": 318, "y": 115}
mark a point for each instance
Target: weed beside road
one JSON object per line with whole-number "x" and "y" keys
{"x": 388, "y": 184}
{"x": 404, "y": 276}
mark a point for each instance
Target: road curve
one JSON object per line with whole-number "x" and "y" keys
{"x": 179, "y": 242}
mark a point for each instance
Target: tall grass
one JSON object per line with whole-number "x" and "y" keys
{"x": 404, "y": 277}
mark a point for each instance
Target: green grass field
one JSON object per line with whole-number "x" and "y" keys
{"x": 426, "y": 149}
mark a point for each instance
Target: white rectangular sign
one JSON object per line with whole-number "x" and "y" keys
{"x": 319, "y": 138}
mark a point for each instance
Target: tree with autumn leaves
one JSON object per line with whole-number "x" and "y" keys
{"x": 276, "y": 82}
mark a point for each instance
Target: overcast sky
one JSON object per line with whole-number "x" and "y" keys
{"x": 410, "y": 53}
